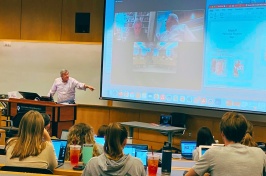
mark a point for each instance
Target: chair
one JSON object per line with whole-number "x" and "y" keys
{"x": 26, "y": 169}
{"x": 12, "y": 128}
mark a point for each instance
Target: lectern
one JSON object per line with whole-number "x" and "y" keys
{"x": 61, "y": 116}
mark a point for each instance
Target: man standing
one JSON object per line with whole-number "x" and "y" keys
{"x": 175, "y": 31}
{"x": 65, "y": 87}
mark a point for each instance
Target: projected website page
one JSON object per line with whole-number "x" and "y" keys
{"x": 190, "y": 52}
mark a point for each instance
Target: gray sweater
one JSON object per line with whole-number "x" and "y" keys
{"x": 125, "y": 166}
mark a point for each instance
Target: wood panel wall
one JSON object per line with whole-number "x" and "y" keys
{"x": 49, "y": 20}
{"x": 99, "y": 115}
{"x": 10, "y": 17}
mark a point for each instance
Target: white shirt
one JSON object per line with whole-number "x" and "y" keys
{"x": 65, "y": 90}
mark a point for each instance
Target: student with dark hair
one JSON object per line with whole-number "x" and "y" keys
{"x": 234, "y": 159}
{"x": 46, "y": 119}
{"x": 204, "y": 137}
{"x": 33, "y": 146}
{"x": 113, "y": 161}
{"x": 102, "y": 131}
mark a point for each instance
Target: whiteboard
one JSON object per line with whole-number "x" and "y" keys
{"x": 33, "y": 66}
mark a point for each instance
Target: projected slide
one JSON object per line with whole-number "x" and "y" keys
{"x": 196, "y": 53}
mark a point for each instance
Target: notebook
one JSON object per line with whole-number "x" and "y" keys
{"x": 187, "y": 148}
{"x": 138, "y": 150}
{"x": 60, "y": 150}
{"x": 64, "y": 134}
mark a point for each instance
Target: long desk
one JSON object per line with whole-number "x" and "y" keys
{"x": 8, "y": 173}
{"x": 62, "y": 116}
{"x": 178, "y": 167}
{"x": 170, "y": 130}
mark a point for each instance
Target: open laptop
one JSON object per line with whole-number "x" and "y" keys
{"x": 60, "y": 147}
{"x": 187, "y": 148}
{"x": 137, "y": 150}
{"x": 203, "y": 149}
{"x": 99, "y": 140}
{"x": 30, "y": 95}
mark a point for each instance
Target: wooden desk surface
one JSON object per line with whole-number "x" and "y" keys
{"x": 66, "y": 169}
{"x": 8, "y": 173}
{"x": 178, "y": 168}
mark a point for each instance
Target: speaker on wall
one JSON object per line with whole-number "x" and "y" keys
{"x": 82, "y": 23}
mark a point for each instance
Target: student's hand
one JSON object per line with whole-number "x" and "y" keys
{"x": 46, "y": 135}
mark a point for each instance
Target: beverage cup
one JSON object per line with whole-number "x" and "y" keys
{"x": 74, "y": 154}
{"x": 87, "y": 152}
{"x": 153, "y": 161}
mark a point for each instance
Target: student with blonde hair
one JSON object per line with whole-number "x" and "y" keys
{"x": 33, "y": 146}
{"x": 80, "y": 134}
{"x": 248, "y": 138}
{"x": 113, "y": 161}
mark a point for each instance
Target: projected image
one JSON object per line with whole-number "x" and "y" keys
{"x": 218, "y": 67}
{"x": 180, "y": 26}
{"x": 159, "y": 58}
{"x": 132, "y": 26}
{"x": 230, "y": 70}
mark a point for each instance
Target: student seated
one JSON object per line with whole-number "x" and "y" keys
{"x": 33, "y": 146}
{"x": 80, "y": 134}
{"x": 102, "y": 131}
{"x": 248, "y": 138}
{"x": 113, "y": 161}
{"x": 234, "y": 159}
{"x": 204, "y": 137}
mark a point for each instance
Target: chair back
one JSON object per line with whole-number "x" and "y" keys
{"x": 26, "y": 169}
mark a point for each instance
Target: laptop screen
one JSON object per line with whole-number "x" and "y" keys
{"x": 187, "y": 147}
{"x": 60, "y": 149}
{"x": 99, "y": 140}
{"x": 30, "y": 95}
{"x": 138, "y": 150}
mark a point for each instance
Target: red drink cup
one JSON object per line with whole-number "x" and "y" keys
{"x": 153, "y": 161}
{"x": 74, "y": 154}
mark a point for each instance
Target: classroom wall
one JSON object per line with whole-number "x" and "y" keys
{"x": 33, "y": 66}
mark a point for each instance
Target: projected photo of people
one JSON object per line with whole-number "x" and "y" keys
{"x": 158, "y": 58}
{"x": 133, "y": 26}
{"x": 180, "y": 26}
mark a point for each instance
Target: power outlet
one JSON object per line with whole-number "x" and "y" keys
{"x": 7, "y": 44}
